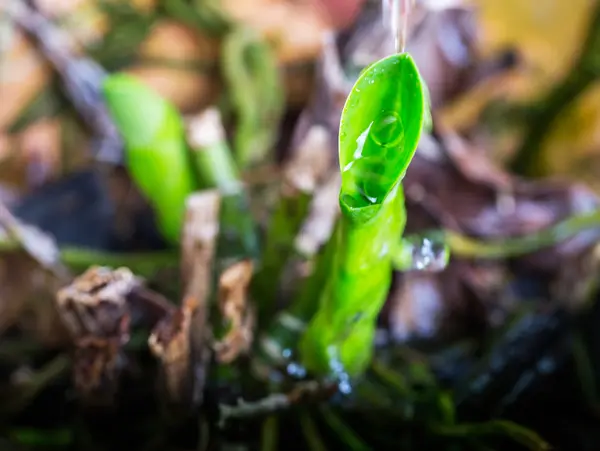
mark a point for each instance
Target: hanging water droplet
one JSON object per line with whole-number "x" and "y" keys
{"x": 338, "y": 372}
{"x": 425, "y": 253}
{"x": 387, "y": 130}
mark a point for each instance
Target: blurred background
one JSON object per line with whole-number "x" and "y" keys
{"x": 513, "y": 159}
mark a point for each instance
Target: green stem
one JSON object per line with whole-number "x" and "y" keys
{"x": 142, "y": 263}
{"x": 391, "y": 378}
{"x": 238, "y": 239}
{"x": 463, "y": 246}
{"x": 379, "y": 132}
{"x": 341, "y": 334}
{"x": 351, "y": 440}
{"x": 497, "y": 428}
{"x": 270, "y": 439}
{"x": 252, "y": 79}
{"x": 311, "y": 433}
{"x": 584, "y": 369}
{"x": 279, "y": 247}
{"x": 39, "y": 380}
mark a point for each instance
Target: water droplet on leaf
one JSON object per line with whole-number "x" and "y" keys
{"x": 387, "y": 130}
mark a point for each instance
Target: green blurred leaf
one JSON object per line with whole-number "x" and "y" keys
{"x": 155, "y": 148}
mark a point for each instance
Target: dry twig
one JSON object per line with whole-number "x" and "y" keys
{"x": 180, "y": 339}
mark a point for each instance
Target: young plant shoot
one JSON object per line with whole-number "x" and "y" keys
{"x": 380, "y": 128}
{"x": 155, "y": 149}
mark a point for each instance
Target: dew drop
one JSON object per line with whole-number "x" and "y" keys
{"x": 428, "y": 253}
{"x": 371, "y": 172}
{"x": 387, "y": 130}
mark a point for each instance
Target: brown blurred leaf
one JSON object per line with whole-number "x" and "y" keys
{"x": 235, "y": 311}
{"x": 294, "y": 28}
{"x": 26, "y": 299}
{"x": 461, "y": 299}
{"x": 171, "y": 342}
{"x": 174, "y": 44}
{"x": 95, "y": 310}
{"x": 455, "y": 184}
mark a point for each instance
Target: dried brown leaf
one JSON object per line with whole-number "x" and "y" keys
{"x": 236, "y": 311}
{"x": 95, "y": 310}
{"x": 170, "y": 342}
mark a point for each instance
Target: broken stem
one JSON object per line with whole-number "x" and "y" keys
{"x": 216, "y": 168}
{"x": 212, "y": 157}
{"x": 276, "y": 402}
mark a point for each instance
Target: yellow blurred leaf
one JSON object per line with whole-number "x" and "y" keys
{"x": 548, "y": 34}
{"x": 573, "y": 145}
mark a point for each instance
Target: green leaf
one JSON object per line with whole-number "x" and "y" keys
{"x": 379, "y": 131}
{"x": 155, "y": 148}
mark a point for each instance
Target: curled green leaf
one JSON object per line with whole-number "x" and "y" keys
{"x": 379, "y": 132}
